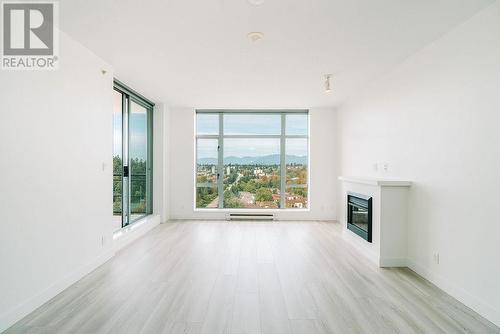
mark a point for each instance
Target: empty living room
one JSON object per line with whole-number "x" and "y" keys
{"x": 249, "y": 166}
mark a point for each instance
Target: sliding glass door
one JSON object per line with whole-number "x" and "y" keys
{"x": 132, "y": 156}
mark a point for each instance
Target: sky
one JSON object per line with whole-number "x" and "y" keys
{"x": 137, "y": 129}
{"x": 251, "y": 124}
{"x": 242, "y": 124}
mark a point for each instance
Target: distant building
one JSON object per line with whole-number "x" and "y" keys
{"x": 295, "y": 201}
{"x": 267, "y": 204}
{"x": 258, "y": 172}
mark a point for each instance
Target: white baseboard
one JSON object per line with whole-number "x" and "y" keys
{"x": 130, "y": 233}
{"x": 481, "y": 307}
{"x": 10, "y": 318}
{"x": 386, "y": 262}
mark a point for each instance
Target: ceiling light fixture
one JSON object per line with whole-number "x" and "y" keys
{"x": 328, "y": 85}
{"x": 255, "y": 36}
{"x": 256, "y": 2}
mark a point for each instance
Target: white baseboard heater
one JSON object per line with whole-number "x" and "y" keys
{"x": 250, "y": 216}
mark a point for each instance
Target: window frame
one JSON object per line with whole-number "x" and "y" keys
{"x": 220, "y": 157}
{"x": 129, "y": 95}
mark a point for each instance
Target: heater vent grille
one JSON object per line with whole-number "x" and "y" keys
{"x": 250, "y": 216}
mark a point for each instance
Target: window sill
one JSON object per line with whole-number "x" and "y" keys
{"x": 252, "y": 210}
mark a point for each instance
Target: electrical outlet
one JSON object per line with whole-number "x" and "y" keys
{"x": 385, "y": 166}
{"x": 436, "y": 258}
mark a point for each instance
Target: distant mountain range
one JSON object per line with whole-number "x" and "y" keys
{"x": 273, "y": 159}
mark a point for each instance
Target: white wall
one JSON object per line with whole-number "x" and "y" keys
{"x": 160, "y": 161}
{"x": 56, "y": 198}
{"x": 435, "y": 120}
{"x": 322, "y": 170}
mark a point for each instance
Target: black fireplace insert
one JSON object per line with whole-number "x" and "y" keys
{"x": 359, "y": 215}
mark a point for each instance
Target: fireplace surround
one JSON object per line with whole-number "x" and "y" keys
{"x": 386, "y": 201}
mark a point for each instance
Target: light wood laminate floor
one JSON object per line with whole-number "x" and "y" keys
{"x": 237, "y": 277}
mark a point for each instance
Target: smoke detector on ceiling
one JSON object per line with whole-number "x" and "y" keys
{"x": 255, "y": 36}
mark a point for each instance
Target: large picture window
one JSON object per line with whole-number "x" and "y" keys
{"x": 252, "y": 160}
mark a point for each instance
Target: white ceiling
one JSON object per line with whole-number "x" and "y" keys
{"x": 196, "y": 53}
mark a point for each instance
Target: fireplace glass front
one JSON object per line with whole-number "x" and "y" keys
{"x": 359, "y": 215}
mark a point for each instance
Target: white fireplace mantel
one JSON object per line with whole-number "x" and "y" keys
{"x": 389, "y": 246}
{"x": 381, "y": 182}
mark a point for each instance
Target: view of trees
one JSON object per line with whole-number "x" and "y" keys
{"x": 138, "y": 188}
{"x": 205, "y": 196}
{"x": 251, "y": 186}
{"x": 296, "y": 174}
{"x": 264, "y": 195}
{"x": 231, "y": 200}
